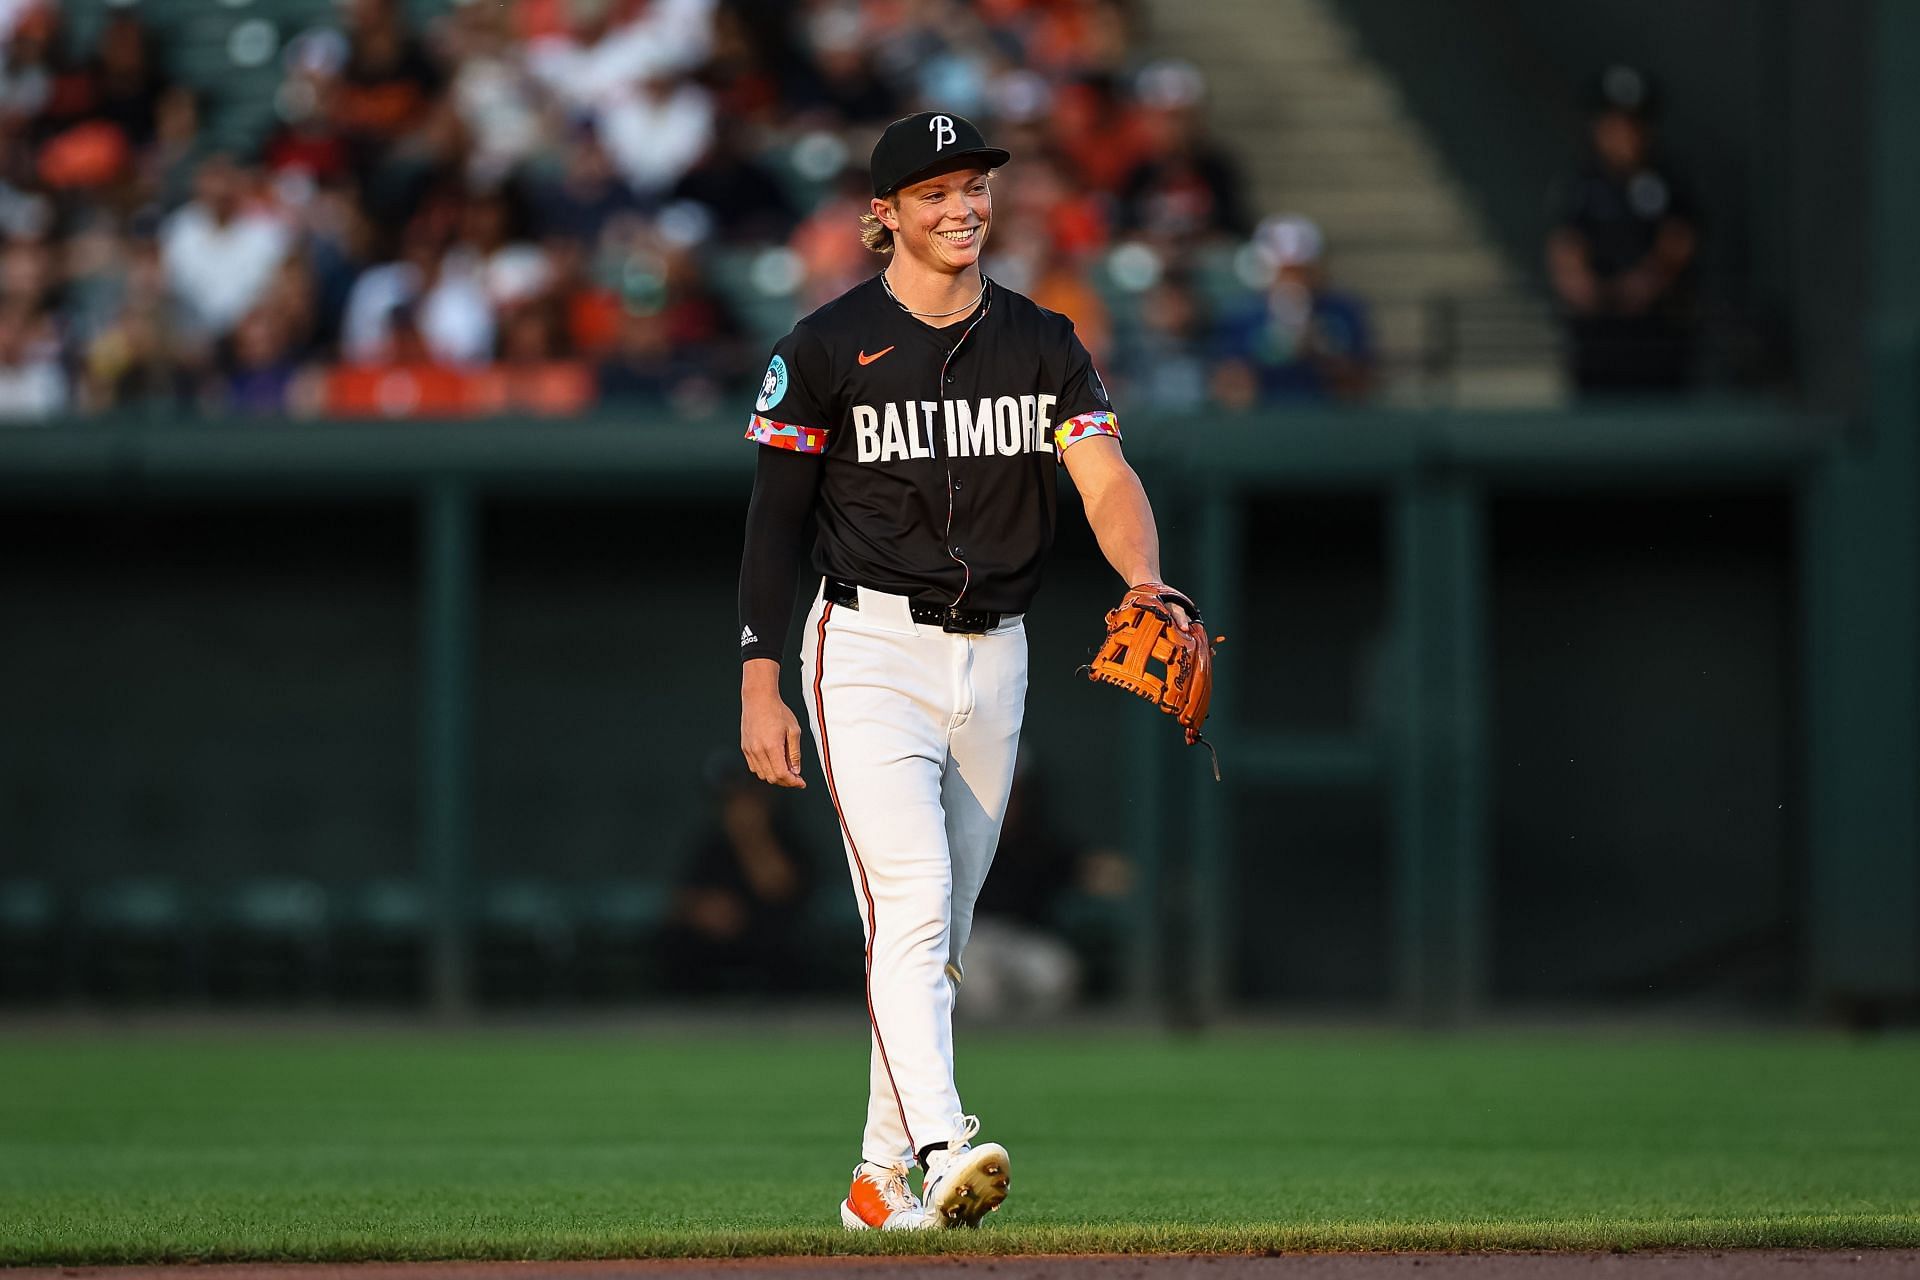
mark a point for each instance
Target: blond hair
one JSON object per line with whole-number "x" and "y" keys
{"x": 873, "y": 232}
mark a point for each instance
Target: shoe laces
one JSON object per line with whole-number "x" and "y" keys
{"x": 966, "y": 1128}
{"x": 892, "y": 1182}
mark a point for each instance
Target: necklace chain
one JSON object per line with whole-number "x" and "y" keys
{"x": 933, "y": 315}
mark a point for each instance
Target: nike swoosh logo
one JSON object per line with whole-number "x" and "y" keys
{"x": 869, "y": 359}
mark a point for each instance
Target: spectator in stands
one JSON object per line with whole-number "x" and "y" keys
{"x": 127, "y": 80}
{"x": 25, "y": 211}
{"x": 743, "y": 197}
{"x": 656, "y": 130}
{"x": 1302, "y": 340}
{"x": 260, "y": 364}
{"x": 577, "y": 202}
{"x": 837, "y": 83}
{"x": 310, "y": 139}
{"x": 104, "y": 117}
{"x": 537, "y": 377}
{"x": 94, "y": 269}
{"x": 739, "y": 917}
{"x": 1621, "y": 254}
{"x": 336, "y": 236}
{"x": 33, "y": 387}
{"x": 31, "y": 69}
{"x": 131, "y": 359}
{"x": 738, "y": 70}
{"x": 702, "y": 323}
{"x": 586, "y": 307}
{"x": 30, "y": 275}
{"x": 263, "y": 364}
{"x": 166, "y": 170}
{"x": 678, "y": 341}
{"x": 623, "y": 152}
{"x": 1184, "y": 188}
{"x": 593, "y": 65}
{"x": 492, "y": 92}
{"x": 293, "y": 296}
{"x": 492, "y": 246}
{"x": 1096, "y": 133}
{"x": 643, "y": 366}
{"x": 389, "y": 84}
{"x": 446, "y": 310}
{"x": 222, "y": 249}
{"x": 1162, "y": 359}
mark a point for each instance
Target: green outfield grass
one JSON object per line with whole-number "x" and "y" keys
{"x": 638, "y": 1144}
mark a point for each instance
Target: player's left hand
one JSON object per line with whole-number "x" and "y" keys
{"x": 1157, "y": 647}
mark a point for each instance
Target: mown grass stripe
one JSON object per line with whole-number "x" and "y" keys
{"x": 154, "y": 1149}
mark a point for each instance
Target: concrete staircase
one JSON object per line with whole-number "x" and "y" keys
{"x": 1322, "y": 132}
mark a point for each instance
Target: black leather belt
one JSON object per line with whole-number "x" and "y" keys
{"x": 971, "y": 622}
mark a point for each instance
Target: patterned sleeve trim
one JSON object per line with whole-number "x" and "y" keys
{"x": 1099, "y": 423}
{"x": 781, "y": 435}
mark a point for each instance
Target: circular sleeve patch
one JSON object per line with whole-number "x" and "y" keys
{"x": 773, "y": 387}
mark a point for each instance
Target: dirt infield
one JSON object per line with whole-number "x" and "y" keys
{"x": 1702, "y": 1265}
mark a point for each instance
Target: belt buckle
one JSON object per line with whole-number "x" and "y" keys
{"x": 963, "y": 621}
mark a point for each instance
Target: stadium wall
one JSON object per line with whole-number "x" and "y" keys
{"x": 1523, "y": 727}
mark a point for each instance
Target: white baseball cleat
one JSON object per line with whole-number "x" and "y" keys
{"x": 881, "y": 1200}
{"x": 965, "y": 1183}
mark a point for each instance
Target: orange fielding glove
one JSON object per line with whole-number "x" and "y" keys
{"x": 1147, "y": 653}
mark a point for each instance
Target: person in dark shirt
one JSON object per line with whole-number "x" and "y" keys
{"x": 835, "y": 78}
{"x": 389, "y": 82}
{"x": 261, "y": 365}
{"x": 1185, "y": 187}
{"x": 745, "y": 199}
{"x": 1048, "y": 923}
{"x": 1620, "y": 256}
{"x": 585, "y": 195}
{"x": 677, "y": 338}
{"x": 738, "y": 919}
{"x": 127, "y": 80}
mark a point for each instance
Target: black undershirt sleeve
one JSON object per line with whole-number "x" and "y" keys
{"x": 785, "y": 484}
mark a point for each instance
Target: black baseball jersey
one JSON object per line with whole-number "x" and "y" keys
{"x": 937, "y": 447}
{"x": 1621, "y": 215}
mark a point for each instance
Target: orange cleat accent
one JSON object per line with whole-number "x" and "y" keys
{"x": 880, "y": 1200}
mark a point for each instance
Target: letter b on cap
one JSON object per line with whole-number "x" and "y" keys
{"x": 942, "y": 129}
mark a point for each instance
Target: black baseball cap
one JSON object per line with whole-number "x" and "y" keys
{"x": 926, "y": 145}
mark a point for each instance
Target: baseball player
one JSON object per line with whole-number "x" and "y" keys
{"x": 918, "y": 420}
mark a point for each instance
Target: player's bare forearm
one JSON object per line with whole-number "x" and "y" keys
{"x": 1118, "y": 512}
{"x": 1117, "y": 509}
{"x": 769, "y": 733}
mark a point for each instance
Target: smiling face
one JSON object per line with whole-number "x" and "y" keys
{"x": 941, "y": 223}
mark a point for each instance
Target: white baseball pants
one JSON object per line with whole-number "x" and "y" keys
{"x": 917, "y": 730}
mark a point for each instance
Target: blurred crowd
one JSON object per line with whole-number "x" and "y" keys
{"x": 540, "y": 205}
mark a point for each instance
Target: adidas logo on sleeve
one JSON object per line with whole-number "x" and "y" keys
{"x": 747, "y": 637}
